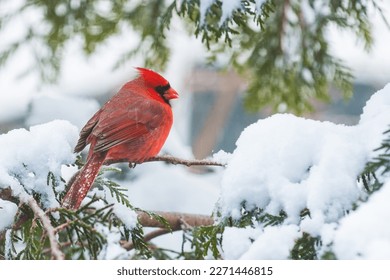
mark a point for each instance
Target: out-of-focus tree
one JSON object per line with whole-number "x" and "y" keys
{"x": 280, "y": 46}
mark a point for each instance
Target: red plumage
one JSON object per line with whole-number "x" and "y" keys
{"x": 132, "y": 125}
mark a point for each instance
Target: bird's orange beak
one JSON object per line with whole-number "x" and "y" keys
{"x": 171, "y": 94}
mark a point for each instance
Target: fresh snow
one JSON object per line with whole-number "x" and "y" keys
{"x": 228, "y": 7}
{"x": 365, "y": 233}
{"x": 289, "y": 163}
{"x": 27, "y": 156}
{"x": 236, "y": 241}
{"x": 273, "y": 243}
{"x": 7, "y": 213}
{"x": 282, "y": 162}
{"x": 204, "y": 5}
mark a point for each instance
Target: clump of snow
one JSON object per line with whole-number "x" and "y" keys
{"x": 376, "y": 107}
{"x": 221, "y": 157}
{"x": 236, "y": 241}
{"x": 203, "y": 7}
{"x": 365, "y": 233}
{"x": 289, "y": 163}
{"x": 28, "y": 156}
{"x": 259, "y": 3}
{"x": 273, "y": 243}
{"x": 126, "y": 215}
{"x": 228, "y": 7}
{"x": 112, "y": 249}
{"x": 7, "y": 213}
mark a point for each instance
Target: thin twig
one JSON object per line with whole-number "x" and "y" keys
{"x": 173, "y": 160}
{"x": 64, "y": 225}
{"x": 38, "y": 212}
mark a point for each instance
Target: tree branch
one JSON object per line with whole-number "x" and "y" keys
{"x": 39, "y": 213}
{"x": 173, "y": 160}
{"x": 176, "y": 221}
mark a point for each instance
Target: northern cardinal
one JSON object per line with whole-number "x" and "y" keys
{"x": 132, "y": 125}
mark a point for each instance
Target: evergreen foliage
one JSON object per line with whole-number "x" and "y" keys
{"x": 378, "y": 167}
{"x": 279, "y": 46}
{"x": 209, "y": 239}
{"x": 82, "y": 234}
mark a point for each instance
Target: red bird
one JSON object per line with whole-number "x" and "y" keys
{"x": 132, "y": 125}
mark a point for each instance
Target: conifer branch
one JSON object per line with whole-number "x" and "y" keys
{"x": 40, "y": 214}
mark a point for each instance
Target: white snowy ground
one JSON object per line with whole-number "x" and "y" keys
{"x": 291, "y": 163}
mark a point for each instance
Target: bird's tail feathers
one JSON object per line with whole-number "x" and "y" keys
{"x": 83, "y": 181}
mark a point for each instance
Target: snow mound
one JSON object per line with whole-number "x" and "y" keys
{"x": 364, "y": 234}
{"x": 7, "y": 213}
{"x": 31, "y": 155}
{"x": 287, "y": 163}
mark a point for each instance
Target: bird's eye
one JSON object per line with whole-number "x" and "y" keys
{"x": 162, "y": 89}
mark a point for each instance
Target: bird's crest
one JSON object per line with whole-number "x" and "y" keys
{"x": 151, "y": 78}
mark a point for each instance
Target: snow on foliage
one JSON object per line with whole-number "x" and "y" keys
{"x": 7, "y": 213}
{"x": 286, "y": 163}
{"x": 34, "y": 161}
{"x": 273, "y": 243}
{"x": 28, "y": 156}
{"x": 282, "y": 163}
{"x": 364, "y": 234}
{"x": 228, "y": 7}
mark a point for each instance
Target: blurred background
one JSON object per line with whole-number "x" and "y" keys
{"x": 45, "y": 76}
{"x": 210, "y": 114}
{"x": 230, "y": 61}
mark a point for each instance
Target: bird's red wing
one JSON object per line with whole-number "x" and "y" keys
{"x": 123, "y": 133}
{"x": 86, "y": 132}
{"x": 132, "y": 124}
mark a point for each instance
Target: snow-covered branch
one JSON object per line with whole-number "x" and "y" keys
{"x": 174, "y": 219}
{"x": 173, "y": 160}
